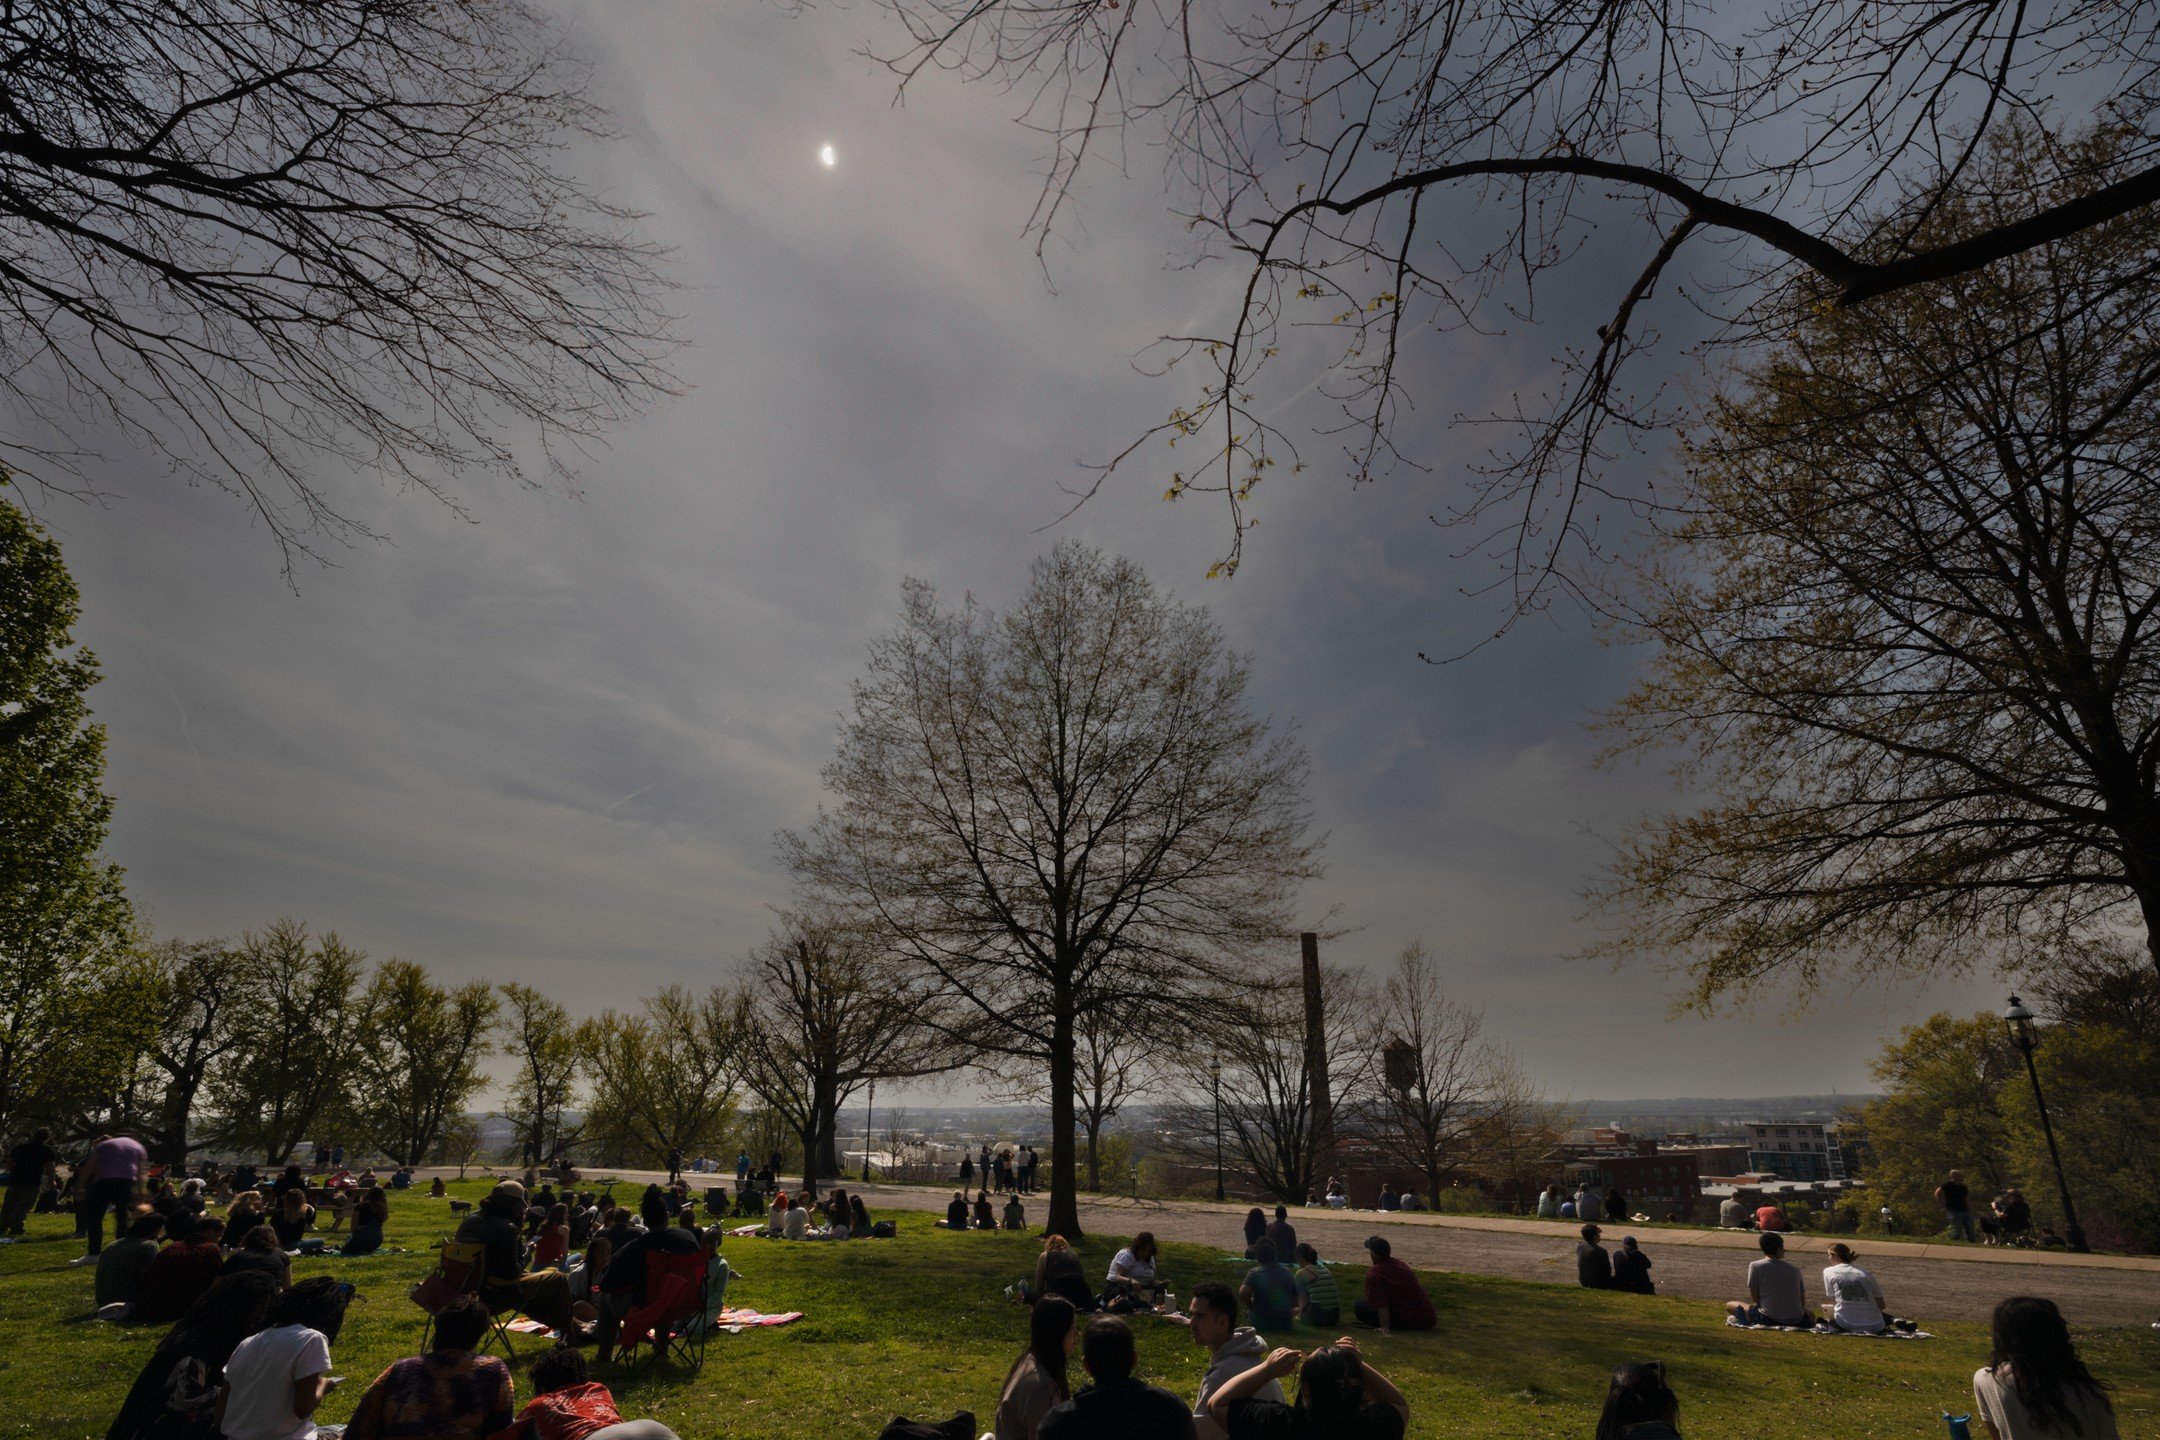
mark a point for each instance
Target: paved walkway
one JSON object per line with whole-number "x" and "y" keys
{"x": 1942, "y": 1281}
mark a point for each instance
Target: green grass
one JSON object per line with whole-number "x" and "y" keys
{"x": 917, "y": 1326}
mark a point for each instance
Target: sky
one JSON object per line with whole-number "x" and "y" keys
{"x": 553, "y": 741}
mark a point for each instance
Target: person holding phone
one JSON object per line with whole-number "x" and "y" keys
{"x": 277, "y": 1377}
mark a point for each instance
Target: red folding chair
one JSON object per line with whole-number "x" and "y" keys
{"x": 460, "y": 1270}
{"x": 674, "y": 1304}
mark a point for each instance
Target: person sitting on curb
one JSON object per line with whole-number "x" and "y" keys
{"x": 1393, "y": 1298}
{"x": 1232, "y": 1348}
{"x": 1119, "y": 1405}
{"x": 1340, "y": 1397}
{"x": 1593, "y": 1266}
{"x": 1776, "y": 1293}
{"x": 1631, "y": 1269}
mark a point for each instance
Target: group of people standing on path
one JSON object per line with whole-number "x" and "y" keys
{"x": 1003, "y": 1171}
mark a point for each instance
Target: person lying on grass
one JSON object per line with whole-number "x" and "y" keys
{"x": 567, "y": 1406}
{"x": 1339, "y": 1397}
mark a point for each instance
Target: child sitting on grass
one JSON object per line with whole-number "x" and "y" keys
{"x": 566, "y": 1406}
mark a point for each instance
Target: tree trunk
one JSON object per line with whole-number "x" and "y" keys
{"x": 1064, "y": 1213}
{"x": 1094, "y": 1135}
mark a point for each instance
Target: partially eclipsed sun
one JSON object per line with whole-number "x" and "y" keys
{"x": 827, "y": 157}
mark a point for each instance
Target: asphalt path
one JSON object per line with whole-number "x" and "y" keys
{"x": 1942, "y": 1281}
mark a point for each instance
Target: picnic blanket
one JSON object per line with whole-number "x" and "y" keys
{"x": 526, "y": 1325}
{"x": 1736, "y": 1323}
{"x": 732, "y": 1319}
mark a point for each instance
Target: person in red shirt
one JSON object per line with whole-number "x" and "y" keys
{"x": 566, "y": 1406}
{"x": 1770, "y": 1219}
{"x": 553, "y": 1242}
{"x": 1393, "y": 1298}
{"x": 178, "y": 1275}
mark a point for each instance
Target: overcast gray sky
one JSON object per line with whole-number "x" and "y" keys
{"x": 554, "y": 744}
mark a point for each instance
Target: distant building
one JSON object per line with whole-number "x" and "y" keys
{"x": 1796, "y": 1150}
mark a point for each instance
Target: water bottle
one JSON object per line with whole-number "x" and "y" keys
{"x": 1960, "y": 1426}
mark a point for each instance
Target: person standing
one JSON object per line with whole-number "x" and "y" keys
{"x": 742, "y": 1167}
{"x": 30, "y": 1164}
{"x": 674, "y": 1164}
{"x": 1956, "y": 1200}
{"x": 111, "y": 1172}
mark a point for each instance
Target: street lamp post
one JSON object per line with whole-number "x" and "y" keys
{"x": 2020, "y": 1021}
{"x": 1214, "y": 1070}
{"x": 868, "y": 1125}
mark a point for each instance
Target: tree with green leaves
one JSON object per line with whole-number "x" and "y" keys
{"x": 1063, "y": 809}
{"x": 416, "y": 1057}
{"x": 66, "y": 1020}
{"x": 663, "y": 1079}
{"x": 201, "y": 994}
{"x": 297, "y": 1035}
{"x": 542, "y": 1042}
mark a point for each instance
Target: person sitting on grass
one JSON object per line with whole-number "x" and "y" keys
{"x": 1631, "y": 1268}
{"x": 1283, "y": 1233}
{"x": 450, "y": 1393}
{"x": 1770, "y": 1217}
{"x": 1855, "y": 1296}
{"x": 1319, "y": 1299}
{"x": 1639, "y": 1405}
{"x": 1231, "y": 1348}
{"x": 1777, "y": 1295}
{"x": 1733, "y": 1214}
{"x": 1037, "y": 1382}
{"x": 175, "y": 1389}
{"x": 369, "y": 1217}
{"x": 278, "y": 1376}
{"x": 956, "y": 1214}
{"x": 495, "y": 1225}
{"x": 1133, "y": 1282}
{"x": 839, "y": 1219}
{"x": 858, "y": 1217}
{"x": 795, "y": 1224}
{"x": 2034, "y": 1386}
{"x": 1118, "y": 1405}
{"x": 568, "y": 1406}
{"x": 552, "y": 1245}
{"x": 1255, "y": 1229}
{"x": 1015, "y": 1212}
{"x": 292, "y": 1219}
{"x": 121, "y": 1264}
{"x": 259, "y": 1250}
{"x": 1393, "y": 1298}
{"x": 178, "y": 1275}
{"x": 437, "y": 1189}
{"x": 1339, "y": 1397}
{"x": 985, "y": 1217}
{"x": 1270, "y": 1291}
{"x": 776, "y": 1221}
{"x": 247, "y": 1211}
{"x": 1057, "y": 1272}
{"x": 1593, "y": 1266}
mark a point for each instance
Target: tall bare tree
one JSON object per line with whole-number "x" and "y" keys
{"x": 825, "y": 1011}
{"x": 664, "y": 1079}
{"x": 1119, "y": 1055}
{"x": 263, "y": 237}
{"x": 416, "y": 1061}
{"x": 1381, "y": 174}
{"x": 1515, "y": 1126}
{"x": 1431, "y": 1077}
{"x": 1064, "y": 809}
{"x": 1248, "y": 1042}
{"x": 1907, "y": 635}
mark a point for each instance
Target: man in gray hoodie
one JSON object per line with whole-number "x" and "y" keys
{"x": 1232, "y": 1350}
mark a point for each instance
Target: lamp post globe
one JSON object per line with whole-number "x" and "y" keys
{"x": 2025, "y": 1037}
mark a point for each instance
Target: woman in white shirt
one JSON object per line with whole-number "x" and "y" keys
{"x": 1855, "y": 1296}
{"x": 278, "y": 1376}
{"x": 2035, "y": 1387}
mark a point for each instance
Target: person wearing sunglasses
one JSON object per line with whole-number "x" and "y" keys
{"x": 1639, "y": 1405}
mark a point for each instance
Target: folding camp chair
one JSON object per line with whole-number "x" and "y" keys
{"x": 460, "y": 1270}
{"x": 670, "y": 1320}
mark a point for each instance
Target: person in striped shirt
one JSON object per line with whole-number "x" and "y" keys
{"x": 1319, "y": 1301}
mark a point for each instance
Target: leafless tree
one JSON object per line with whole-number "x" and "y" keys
{"x": 1249, "y": 1044}
{"x": 1386, "y": 172}
{"x": 824, "y": 1011}
{"x": 263, "y": 236}
{"x": 1515, "y": 1126}
{"x": 1430, "y": 1076}
{"x": 1906, "y": 635}
{"x": 1061, "y": 810}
